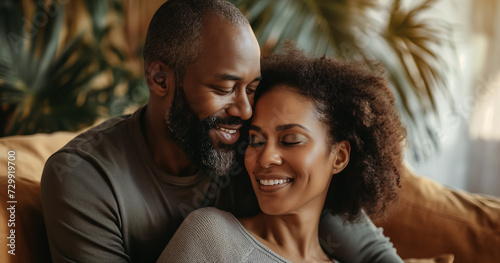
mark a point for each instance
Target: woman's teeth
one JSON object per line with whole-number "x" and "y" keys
{"x": 275, "y": 181}
{"x": 227, "y": 130}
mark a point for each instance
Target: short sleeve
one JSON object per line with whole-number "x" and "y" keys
{"x": 80, "y": 212}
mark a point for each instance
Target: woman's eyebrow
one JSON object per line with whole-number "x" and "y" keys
{"x": 291, "y": 125}
{"x": 255, "y": 128}
{"x": 280, "y": 127}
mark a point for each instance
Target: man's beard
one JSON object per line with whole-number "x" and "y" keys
{"x": 192, "y": 135}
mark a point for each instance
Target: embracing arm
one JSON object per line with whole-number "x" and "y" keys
{"x": 356, "y": 242}
{"x": 80, "y": 212}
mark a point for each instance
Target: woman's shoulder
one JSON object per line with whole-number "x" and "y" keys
{"x": 220, "y": 232}
{"x": 211, "y": 219}
{"x": 209, "y": 214}
{"x": 205, "y": 234}
{"x": 210, "y": 233}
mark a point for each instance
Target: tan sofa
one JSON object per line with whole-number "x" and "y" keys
{"x": 430, "y": 221}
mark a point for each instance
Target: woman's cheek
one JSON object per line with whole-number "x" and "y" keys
{"x": 304, "y": 157}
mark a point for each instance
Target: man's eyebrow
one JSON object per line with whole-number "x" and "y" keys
{"x": 226, "y": 76}
{"x": 291, "y": 125}
{"x": 259, "y": 78}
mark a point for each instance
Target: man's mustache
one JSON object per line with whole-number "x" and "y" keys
{"x": 214, "y": 121}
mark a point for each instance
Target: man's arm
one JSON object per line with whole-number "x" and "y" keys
{"x": 356, "y": 242}
{"x": 80, "y": 212}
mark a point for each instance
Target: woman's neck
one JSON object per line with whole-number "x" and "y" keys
{"x": 293, "y": 236}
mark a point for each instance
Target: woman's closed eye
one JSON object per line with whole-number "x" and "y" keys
{"x": 292, "y": 139}
{"x": 256, "y": 140}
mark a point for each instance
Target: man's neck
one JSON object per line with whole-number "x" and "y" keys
{"x": 166, "y": 153}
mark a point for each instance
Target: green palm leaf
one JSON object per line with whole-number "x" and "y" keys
{"x": 404, "y": 42}
{"x": 46, "y": 87}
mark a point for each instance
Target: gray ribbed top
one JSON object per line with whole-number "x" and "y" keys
{"x": 212, "y": 235}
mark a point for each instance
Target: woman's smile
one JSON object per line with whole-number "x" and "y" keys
{"x": 269, "y": 183}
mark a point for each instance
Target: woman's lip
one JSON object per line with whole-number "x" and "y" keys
{"x": 270, "y": 176}
{"x": 274, "y": 184}
{"x": 227, "y": 135}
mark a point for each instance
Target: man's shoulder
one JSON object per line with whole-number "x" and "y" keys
{"x": 93, "y": 149}
{"x": 110, "y": 135}
{"x": 107, "y": 130}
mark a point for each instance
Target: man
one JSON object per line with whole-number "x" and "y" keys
{"x": 118, "y": 192}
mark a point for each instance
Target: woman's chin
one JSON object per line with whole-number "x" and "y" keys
{"x": 273, "y": 209}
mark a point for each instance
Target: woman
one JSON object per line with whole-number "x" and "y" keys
{"x": 324, "y": 136}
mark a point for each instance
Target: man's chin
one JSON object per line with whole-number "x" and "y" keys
{"x": 216, "y": 157}
{"x": 221, "y": 164}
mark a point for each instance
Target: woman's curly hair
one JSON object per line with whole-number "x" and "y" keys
{"x": 358, "y": 107}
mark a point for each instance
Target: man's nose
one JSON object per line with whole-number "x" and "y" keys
{"x": 241, "y": 106}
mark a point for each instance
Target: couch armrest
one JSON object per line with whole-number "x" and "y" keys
{"x": 26, "y": 221}
{"x": 431, "y": 219}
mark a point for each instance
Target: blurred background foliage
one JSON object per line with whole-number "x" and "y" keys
{"x": 401, "y": 36}
{"x": 59, "y": 68}
{"x": 66, "y": 63}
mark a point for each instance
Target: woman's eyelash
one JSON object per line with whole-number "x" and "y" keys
{"x": 254, "y": 141}
{"x": 255, "y": 144}
{"x": 290, "y": 143}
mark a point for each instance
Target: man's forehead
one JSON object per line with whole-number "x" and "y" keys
{"x": 219, "y": 30}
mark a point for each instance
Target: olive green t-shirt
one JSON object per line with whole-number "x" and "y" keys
{"x": 105, "y": 200}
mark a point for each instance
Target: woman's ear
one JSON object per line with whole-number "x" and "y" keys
{"x": 342, "y": 151}
{"x": 160, "y": 78}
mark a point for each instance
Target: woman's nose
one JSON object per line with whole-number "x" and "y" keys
{"x": 269, "y": 156}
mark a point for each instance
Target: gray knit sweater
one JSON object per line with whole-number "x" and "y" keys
{"x": 211, "y": 235}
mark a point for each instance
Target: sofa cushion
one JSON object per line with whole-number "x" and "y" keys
{"x": 431, "y": 220}
{"x": 446, "y": 258}
{"x": 32, "y": 151}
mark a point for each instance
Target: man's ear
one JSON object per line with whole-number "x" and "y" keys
{"x": 160, "y": 78}
{"x": 342, "y": 151}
